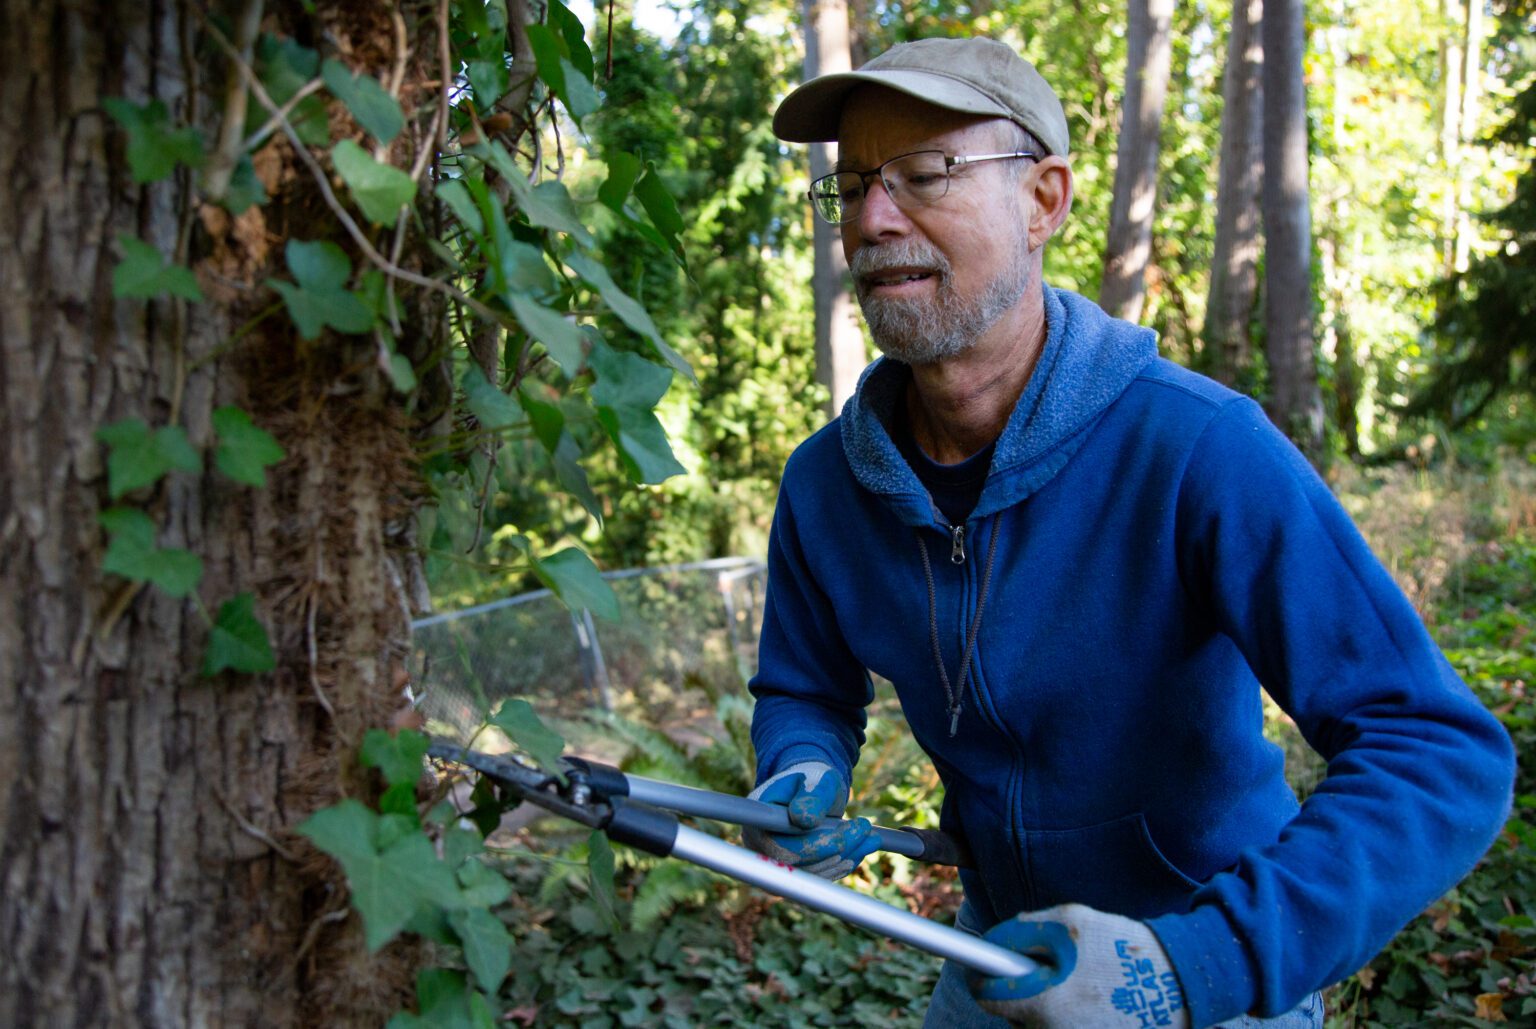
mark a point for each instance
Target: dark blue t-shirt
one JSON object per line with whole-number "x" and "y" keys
{"x": 955, "y": 488}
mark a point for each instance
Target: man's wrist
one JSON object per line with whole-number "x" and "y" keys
{"x": 1211, "y": 962}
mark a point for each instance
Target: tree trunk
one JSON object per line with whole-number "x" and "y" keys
{"x": 1449, "y": 122}
{"x": 1466, "y": 130}
{"x": 147, "y": 872}
{"x": 1234, "y": 265}
{"x": 1295, "y": 403}
{"x": 840, "y": 350}
{"x": 1149, "y": 57}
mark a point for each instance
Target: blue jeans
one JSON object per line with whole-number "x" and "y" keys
{"x": 953, "y": 1007}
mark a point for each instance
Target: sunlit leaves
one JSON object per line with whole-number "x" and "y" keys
{"x": 379, "y": 189}
{"x": 132, "y": 553}
{"x": 559, "y": 335}
{"x": 398, "y": 756}
{"x": 528, "y": 733}
{"x": 626, "y": 392}
{"x": 629, "y": 310}
{"x": 574, "y": 89}
{"x": 375, "y": 110}
{"x": 138, "y": 456}
{"x": 238, "y": 641}
{"x": 392, "y": 869}
{"x": 245, "y": 450}
{"x": 321, "y": 298}
{"x": 143, "y": 273}
{"x": 155, "y": 147}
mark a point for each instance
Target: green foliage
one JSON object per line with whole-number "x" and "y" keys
{"x": 155, "y": 146}
{"x": 133, "y": 554}
{"x": 379, "y": 189}
{"x": 139, "y": 457}
{"x": 321, "y": 299}
{"x": 238, "y": 641}
{"x": 144, "y": 274}
{"x": 374, "y": 109}
{"x": 245, "y": 450}
{"x": 517, "y": 719}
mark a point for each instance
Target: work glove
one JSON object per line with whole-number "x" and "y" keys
{"x": 812, "y": 791}
{"x": 1096, "y": 970}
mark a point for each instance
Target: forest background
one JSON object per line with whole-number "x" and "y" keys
{"x": 319, "y": 318}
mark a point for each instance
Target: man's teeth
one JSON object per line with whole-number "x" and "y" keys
{"x": 901, "y": 278}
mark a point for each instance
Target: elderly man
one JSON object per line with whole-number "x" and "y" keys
{"x": 1078, "y": 564}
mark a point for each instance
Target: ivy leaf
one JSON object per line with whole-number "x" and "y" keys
{"x": 493, "y": 408}
{"x": 523, "y": 727}
{"x": 563, "y": 78}
{"x": 154, "y": 148}
{"x": 574, "y": 579}
{"x": 446, "y": 1001}
{"x": 623, "y": 170}
{"x": 238, "y": 640}
{"x": 244, "y": 450}
{"x": 487, "y": 945}
{"x": 133, "y": 555}
{"x": 138, "y": 457}
{"x": 547, "y": 419}
{"x": 600, "y": 876}
{"x": 143, "y": 273}
{"x": 285, "y": 67}
{"x": 628, "y": 309}
{"x": 573, "y": 477}
{"x": 321, "y": 297}
{"x": 245, "y": 189}
{"x": 490, "y": 80}
{"x": 453, "y": 193}
{"x": 389, "y": 878}
{"x": 483, "y": 887}
{"x": 373, "y": 107}
{"x": 560, "y": 337}
{"x": 379, "y": 189}
{"x": 661, "y": 207}
{"x": 626, "y": 392}
{"x": 399, "y": 756}
{"x": 574, "y": 33}
{"x": 547, "y": 205}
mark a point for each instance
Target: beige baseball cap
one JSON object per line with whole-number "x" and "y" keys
{"x": 976, "y": 76}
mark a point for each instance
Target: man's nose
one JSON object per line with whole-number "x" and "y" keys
{"x": 879, "y": 217}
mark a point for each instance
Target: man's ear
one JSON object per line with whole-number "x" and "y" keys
{"x": 1050, "y": 187}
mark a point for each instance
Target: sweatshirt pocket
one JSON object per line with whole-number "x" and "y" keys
{"x": 1114, "y": 866}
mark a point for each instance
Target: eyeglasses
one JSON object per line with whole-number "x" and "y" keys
{"x": 911, "y": 180}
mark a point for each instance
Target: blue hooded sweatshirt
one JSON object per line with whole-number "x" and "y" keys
{"x": 1152, "y": 552}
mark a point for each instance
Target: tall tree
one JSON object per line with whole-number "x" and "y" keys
{"x": 840, "y": 350}
{"x": 1295, "y": 401}
{"x": 1234, "y": 263}
{"x": 1149, "y": 55}
{"x": 233, "y": 318}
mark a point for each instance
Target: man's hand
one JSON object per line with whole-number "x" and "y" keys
{"x": 811, "y": 791}
{"x": 1095, "y": 970}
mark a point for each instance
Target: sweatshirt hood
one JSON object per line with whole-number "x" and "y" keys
{"x": 1088, "y": 360}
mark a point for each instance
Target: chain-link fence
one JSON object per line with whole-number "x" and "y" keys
{"x": 683, "y": 629}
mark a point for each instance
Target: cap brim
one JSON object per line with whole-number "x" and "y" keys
{"x": 811, "y": 113}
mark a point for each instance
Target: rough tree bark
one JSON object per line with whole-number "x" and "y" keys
{"x": 1295, "y": 402}
{"x": 840, "y": 351}
{"x": 1234, "y": 263}
{"x": 1149, "y": 57}
{"x": 147, "y": 872}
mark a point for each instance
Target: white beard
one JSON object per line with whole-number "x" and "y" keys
{"x": 925, "y": 330}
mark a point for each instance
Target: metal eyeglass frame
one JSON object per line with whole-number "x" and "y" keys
{"x": 864, "y": 177}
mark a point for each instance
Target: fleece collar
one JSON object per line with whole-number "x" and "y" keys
{"x": 1088, "y": 360}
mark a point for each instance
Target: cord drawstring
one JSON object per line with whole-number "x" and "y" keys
{"x": 956, "y": 697}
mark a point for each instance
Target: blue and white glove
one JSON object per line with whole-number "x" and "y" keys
{"x": 1096, "y": 970}
{"x": 812, "y": 791}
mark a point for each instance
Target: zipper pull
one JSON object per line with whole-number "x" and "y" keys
{"x": 957, "y": 544}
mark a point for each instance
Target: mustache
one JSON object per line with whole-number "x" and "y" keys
{"x": 906, "y": 253}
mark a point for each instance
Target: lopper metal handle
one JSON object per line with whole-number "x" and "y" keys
{"x": 920, "y": 844}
